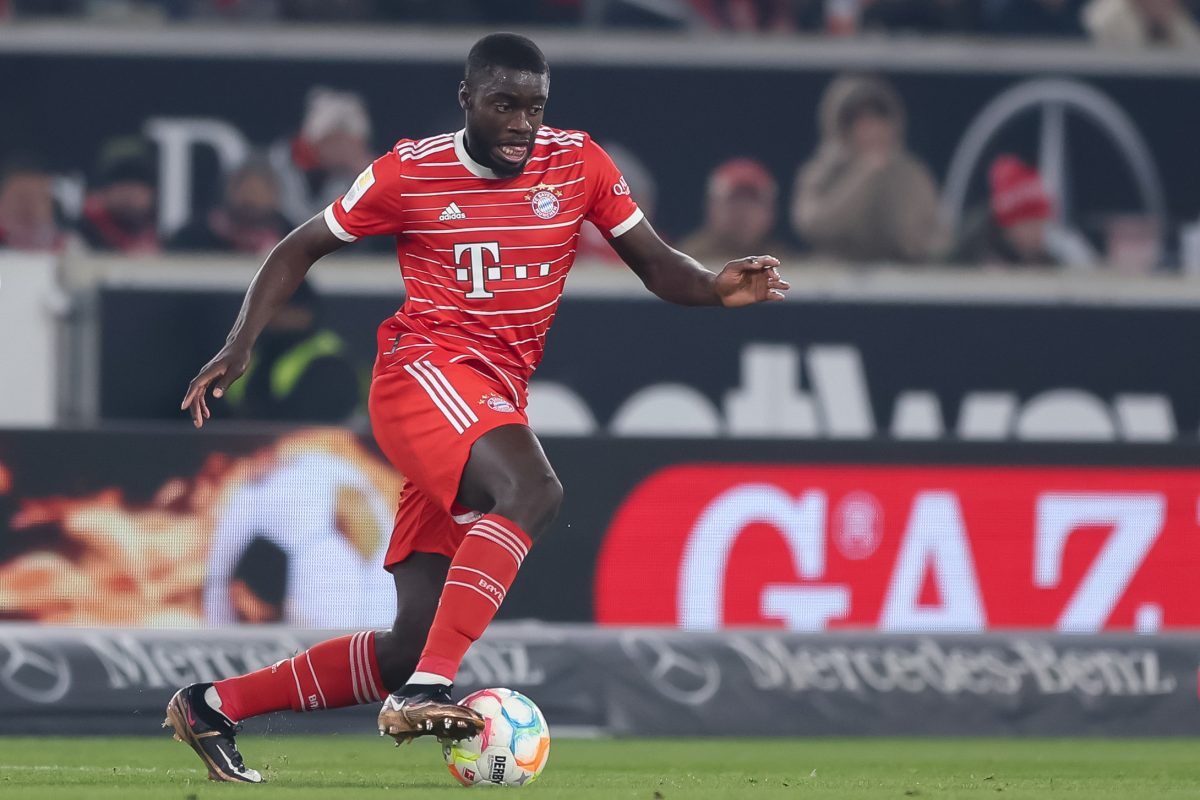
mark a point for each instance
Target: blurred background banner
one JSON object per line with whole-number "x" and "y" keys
{"x": 975, "y": 369}
{"x": 654, "y": 682}
{"x": 153, "y": 528}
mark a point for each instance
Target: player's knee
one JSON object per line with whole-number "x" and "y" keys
{"x": 532, "y": 502}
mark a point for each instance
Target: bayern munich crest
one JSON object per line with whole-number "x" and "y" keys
{"x": 543, "y": 198}
{"x": 497, "y": 403}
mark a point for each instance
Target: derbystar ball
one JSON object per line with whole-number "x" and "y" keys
{"x": 514, "y": 745}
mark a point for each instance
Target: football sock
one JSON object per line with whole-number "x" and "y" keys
{"x": 480, "y": 575}
{"x": 332, "y": 674}
{"x": 429, "y": 679}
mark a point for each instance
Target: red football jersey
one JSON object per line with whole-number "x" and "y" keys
{"x": 484, "y": 258}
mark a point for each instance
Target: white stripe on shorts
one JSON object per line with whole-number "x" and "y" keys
{"x": 436, "y": 398}
{"x": 435, "y": 373}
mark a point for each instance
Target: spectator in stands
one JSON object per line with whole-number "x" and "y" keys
{"x": 742, "y": 205}
{"x": 248, "y": 220}
{"x": 1038, "y": 19}
{"x": 1018, "y": 229}
{"x": 302, "y": 371}
{"x": 863, "y": 196}
{"x": 28, "y": 216}
{"x": 1141, "y": 23}
{"x": 333, "y": 146}
{"x": 119, "y": 212}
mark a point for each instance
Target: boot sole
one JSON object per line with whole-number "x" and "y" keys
{"x": 442, "y": 724}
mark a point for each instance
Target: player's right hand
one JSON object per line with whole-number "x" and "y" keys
{"x": 224, "y": 368}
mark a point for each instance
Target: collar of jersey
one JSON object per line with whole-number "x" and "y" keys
{"x": 473, "y": 166}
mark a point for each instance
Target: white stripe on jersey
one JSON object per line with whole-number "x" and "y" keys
{"x": 425, "y": 144}
{"x": 558, "y": 137}
{"x": 628, "y": 224}
{"x": 515, "y": 247}
{"x": 537, "y": 338}
{"x": 522, "y": 203}
{"x": 430, "y": 260}
{"x": 455, "y": 231}
{"x": 535, "y": 158}
{"x": 457, "y": 290}
{"x": 474, "y": 337}
{"x": 474, "y": 313}
{"x": 408, "y": 155}
{"x": 552, "y": 155}
{"x": 418, "y": 147}
{"x": 533, "y": 324}
{"x": 470, "y": 177}
{"x": 483, "y": 191}
{"x": 335, "y": 227}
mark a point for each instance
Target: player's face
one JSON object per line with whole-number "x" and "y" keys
{"x": 504, "y": 111}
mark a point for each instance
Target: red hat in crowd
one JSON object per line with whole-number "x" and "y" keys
{"x": 1018, "y": 194}
{"x": 741, "y": 173}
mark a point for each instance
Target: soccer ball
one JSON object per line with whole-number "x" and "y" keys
{"x": 513, "y": 747}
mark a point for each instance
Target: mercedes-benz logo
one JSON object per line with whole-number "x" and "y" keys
{"x": 684, "y": 678}
{"x": 1053, "y": 99}
{"x": 37, "y": 673}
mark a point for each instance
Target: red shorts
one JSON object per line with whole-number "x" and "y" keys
{"x": 428, "y": 407}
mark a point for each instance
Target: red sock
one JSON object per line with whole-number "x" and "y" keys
{"x": 332, "y": 674}
{"x": 480, "y": 575}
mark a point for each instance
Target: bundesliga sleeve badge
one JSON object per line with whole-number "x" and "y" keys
{"x": 543, "y": 198}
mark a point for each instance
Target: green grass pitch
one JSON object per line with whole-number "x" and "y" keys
{"x": 352, "y": 767}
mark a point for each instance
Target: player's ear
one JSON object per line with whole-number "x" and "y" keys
{"x": 464, "y": 95}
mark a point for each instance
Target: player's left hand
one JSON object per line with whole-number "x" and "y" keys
{"x": 749, "y": 280}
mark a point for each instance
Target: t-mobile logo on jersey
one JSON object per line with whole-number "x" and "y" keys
{"x": 478, "y": 271}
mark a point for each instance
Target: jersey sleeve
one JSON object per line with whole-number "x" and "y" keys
{"x": 610, "y": 206}
{"x": 372, "y": 205}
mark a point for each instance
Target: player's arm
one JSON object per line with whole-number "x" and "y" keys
{"x": 678, "y": 278}
{"x": 274, "y": 283}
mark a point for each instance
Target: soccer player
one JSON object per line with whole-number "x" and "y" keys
{"x": 486, "y": 221}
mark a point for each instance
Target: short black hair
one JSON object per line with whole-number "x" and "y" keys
{"x": 505, "y": 51}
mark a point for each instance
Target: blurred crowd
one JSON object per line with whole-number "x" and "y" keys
{"x": 259, "y": 200}
{"x": 862, "y": 197}
{"x": 1110, "y": 22}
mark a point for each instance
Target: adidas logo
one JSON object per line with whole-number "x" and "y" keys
{"x": 452, "y": 211}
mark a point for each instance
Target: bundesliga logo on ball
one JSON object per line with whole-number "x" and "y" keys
{"x": 513, "y": 747}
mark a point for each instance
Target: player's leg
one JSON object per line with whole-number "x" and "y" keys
{"x": 339, "y": 672}
{"x": 507, "y": 476}
{"x": 509, "y": 479}
{"x": 453, "y": 432}
{"x": 348, "y": 670}
{"x": 418, "y": 579}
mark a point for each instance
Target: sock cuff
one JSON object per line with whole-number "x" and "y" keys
{"x": 364, "y": 669}
{"x": 505, "y": 526}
